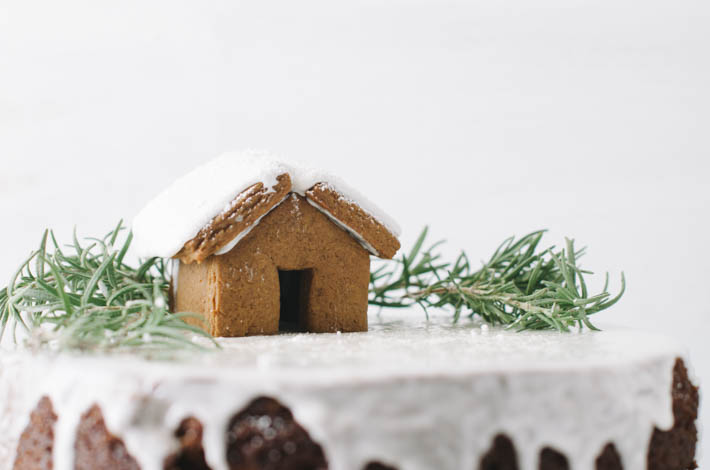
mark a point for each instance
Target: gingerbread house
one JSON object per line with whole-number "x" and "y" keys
{"x": 261, "y": 246}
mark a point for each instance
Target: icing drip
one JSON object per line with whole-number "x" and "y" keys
{"x": 418, "y": 395}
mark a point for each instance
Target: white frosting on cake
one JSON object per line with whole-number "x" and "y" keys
{"x": 417, "y": 395}
{"x": 176, "y": 216}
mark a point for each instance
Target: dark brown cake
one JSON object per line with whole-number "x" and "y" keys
{"x": 96, "y": 448}
{"x": 191, "y": 454}
{"x": 34, "y": 451}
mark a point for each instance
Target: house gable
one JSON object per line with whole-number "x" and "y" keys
{"x": 228, "y": 228}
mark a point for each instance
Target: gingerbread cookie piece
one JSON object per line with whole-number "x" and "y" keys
{"x": 245, "y": 211}
{"x": 353, "y": 218}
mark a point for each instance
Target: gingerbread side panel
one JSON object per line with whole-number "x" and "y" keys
{"x": 196, "y": 293}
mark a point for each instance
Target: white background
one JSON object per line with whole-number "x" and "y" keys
{"x": 482, "y": 119}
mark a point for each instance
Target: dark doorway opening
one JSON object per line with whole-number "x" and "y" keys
{"x": 293, "y": 286}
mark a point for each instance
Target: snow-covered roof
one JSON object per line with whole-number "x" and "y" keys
{"x": 192, "y": 202}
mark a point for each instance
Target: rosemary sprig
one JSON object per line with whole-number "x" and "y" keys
{"x": 521, "y": 287}
{"x": 89, "y": 298}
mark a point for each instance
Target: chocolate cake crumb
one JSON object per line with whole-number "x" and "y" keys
{"x": 96, "y": 448}
{"x": 550, "y": 459}
{"x": 264, "y": 436}
{"x": 378, "y": 466}
{"x": 34, "y": 451}
{"x": 675, "y": 449}
{"x": 191, "y": 454}
{"x": 609, "y": 459}
{"x": 501, "y": 456}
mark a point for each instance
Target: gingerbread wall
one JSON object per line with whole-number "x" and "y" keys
{"x": 239, "y": 293}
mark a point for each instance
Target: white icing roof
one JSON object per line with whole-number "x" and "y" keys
{"x": 174, "y": 217}
{"x": 418, "y": 395}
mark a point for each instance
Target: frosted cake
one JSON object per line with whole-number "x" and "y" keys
{"x": 405, "y": 395}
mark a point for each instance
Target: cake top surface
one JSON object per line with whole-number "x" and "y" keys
{"x": 403, "y": 344}
{"x": 190, "y": 203}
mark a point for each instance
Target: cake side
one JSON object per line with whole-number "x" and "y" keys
{"x": 392, "y": 396}
{"x": 265, "y": 436}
